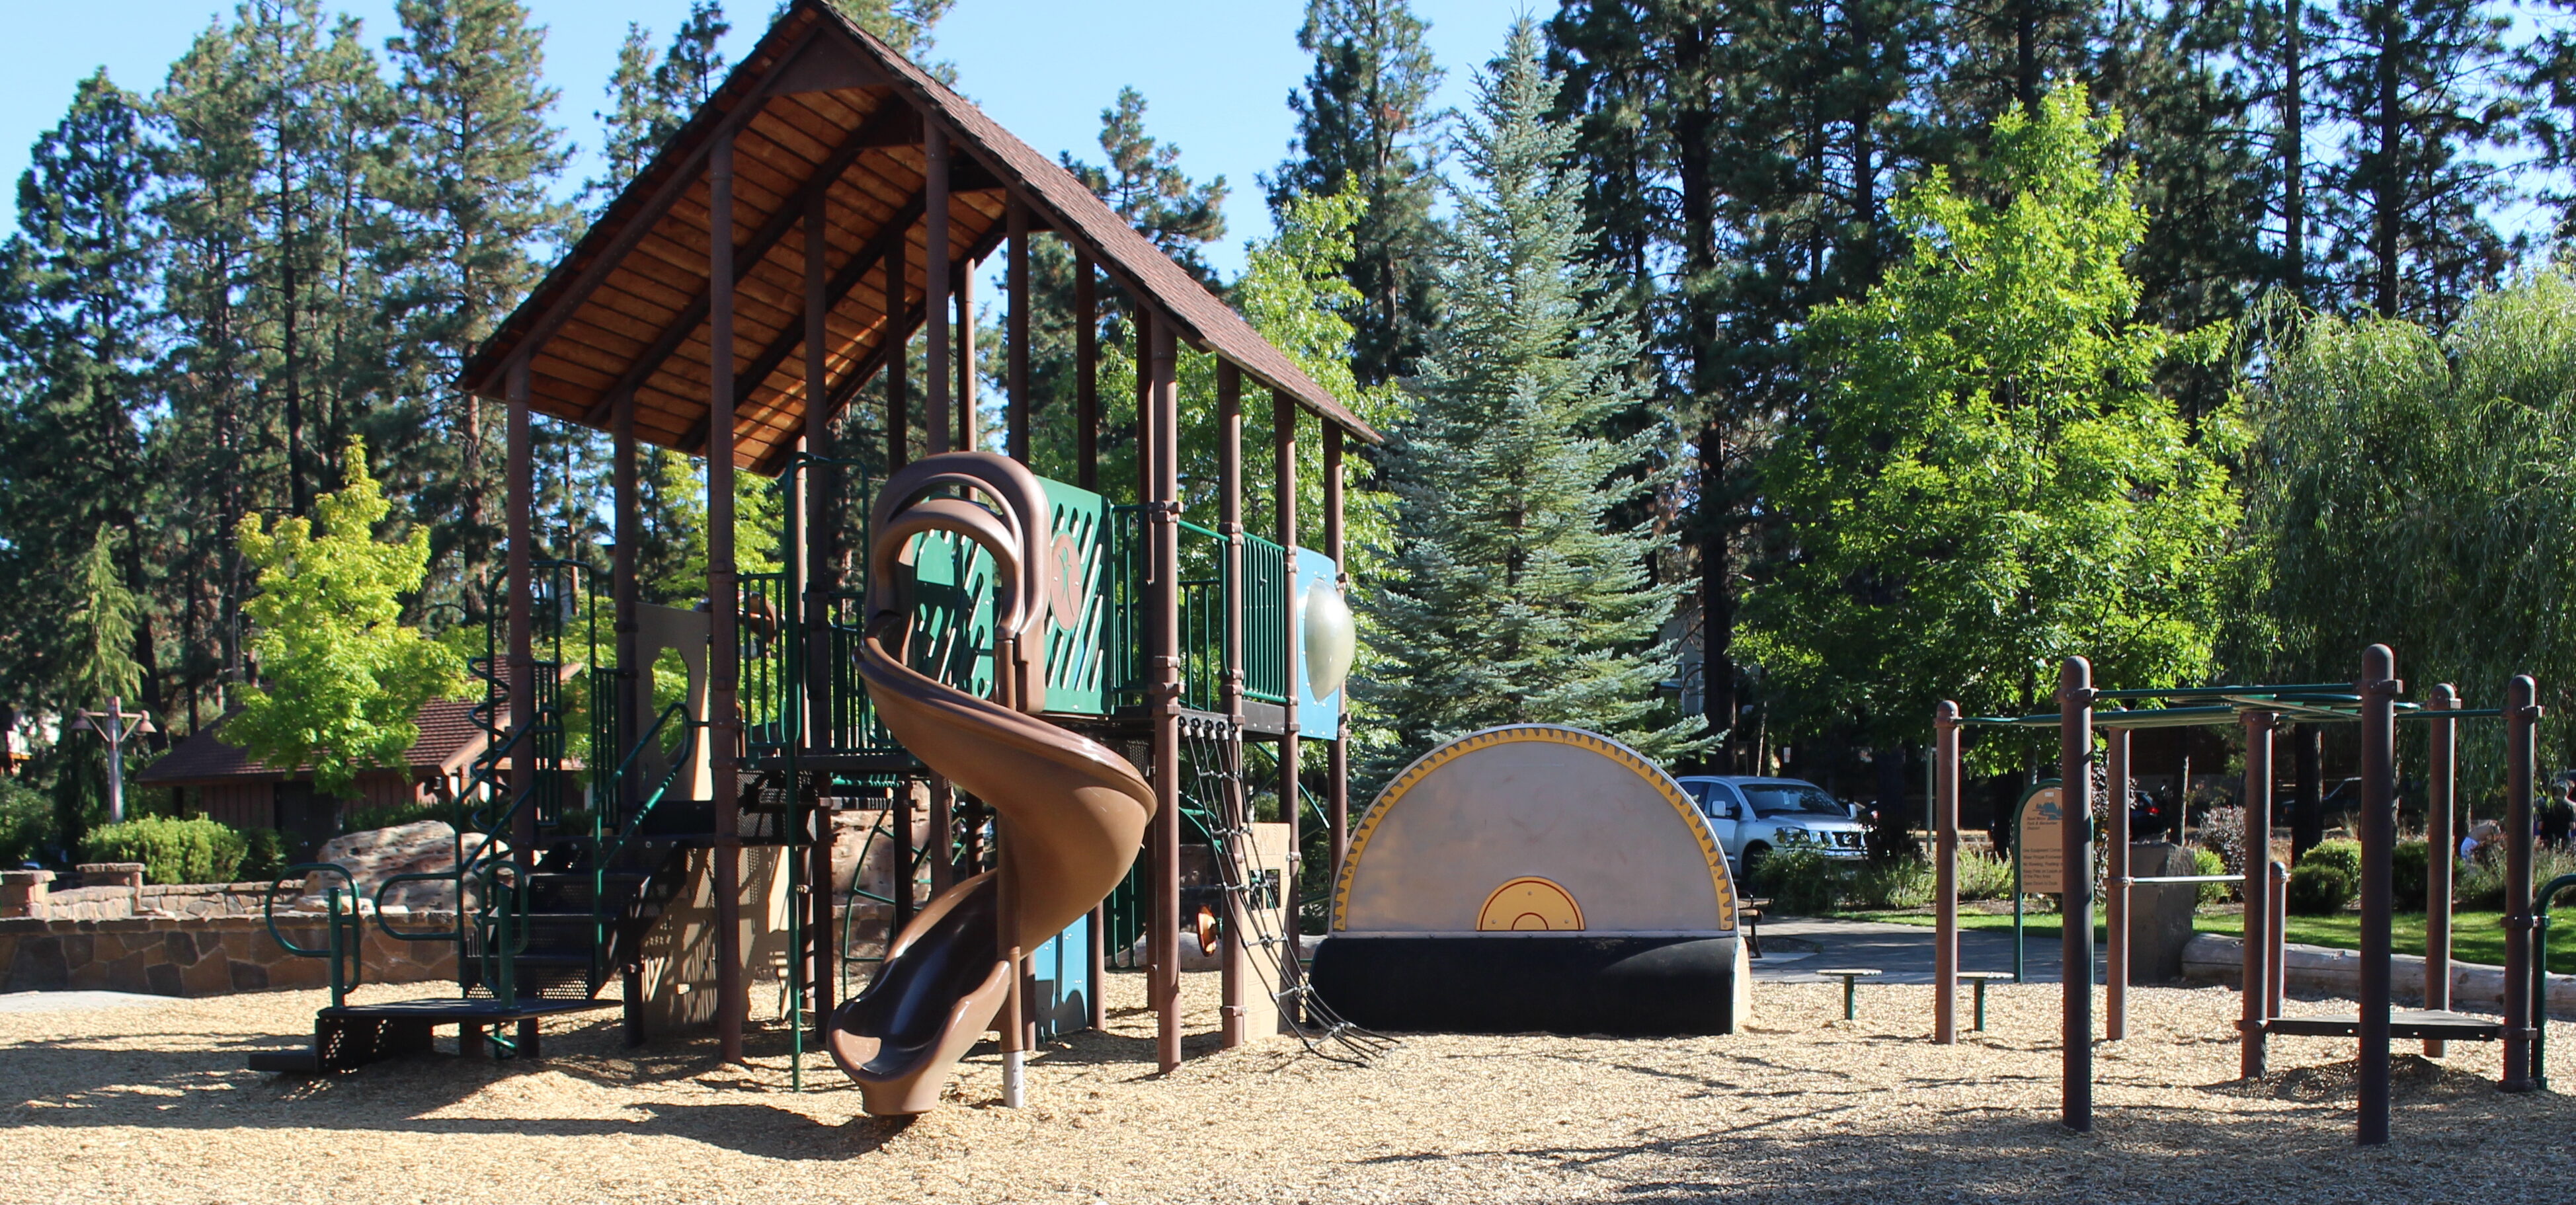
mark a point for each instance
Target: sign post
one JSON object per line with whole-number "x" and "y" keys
{"x": 2039, "y": 867}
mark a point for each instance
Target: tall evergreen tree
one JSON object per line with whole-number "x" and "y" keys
{"x": 475, "y": 158}
{"x": 2422, "y": 91}
{"x": 1509, "y": 595}
{"x": 1365, "y": 122}
{"x": 79, "y": 343}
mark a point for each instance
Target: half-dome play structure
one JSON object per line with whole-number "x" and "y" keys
{"x": 1535, "y": 878}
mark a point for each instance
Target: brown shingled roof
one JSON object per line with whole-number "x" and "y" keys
{"x": 835, "y": 112}
{"x": 448, "y": 738}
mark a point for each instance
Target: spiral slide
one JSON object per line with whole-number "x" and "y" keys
{"x": 1072, "y": 811}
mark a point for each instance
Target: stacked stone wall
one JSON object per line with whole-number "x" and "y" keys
{"x": 204, "y": 955}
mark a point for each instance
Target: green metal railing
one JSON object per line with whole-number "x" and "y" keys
{"x": 1206, "y": 598}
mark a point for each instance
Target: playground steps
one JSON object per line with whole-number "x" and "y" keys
{"x": 352, "y": 1035}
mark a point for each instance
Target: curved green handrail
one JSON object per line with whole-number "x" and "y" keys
{"x": 342, "y": 931}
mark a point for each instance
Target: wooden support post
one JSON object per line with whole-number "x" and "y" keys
{"x": 898, "y": 362}
{"x": 1163, "y": 528}
{"x": 1337, "y": 785}
{"x": 2521, "y": 779}
{"x": 1086, "y": 374}
{"x": 967, "y": 420}
{"x": 2115, "y": 974}
{"x": 820, "y": 531}
{"x": 1283, "y": 492}
{"x": 1237, "y": 967}
{"x": 2075, "y": 967}
{"x": 943, "y": 831}
{"x": 1945, "y": 870}
{"x": 633, "y": 705}
{"x": 935, "y": 288}
{"x": 2378, "y": 689}
{"x": 2442, "y": 845}
{"x": 519, "y": 584}
{"x": 1018, "y": 416}
{"x": 724, "y": 720}
{"x": 2257, "y": 890}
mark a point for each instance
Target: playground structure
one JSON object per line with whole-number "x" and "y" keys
{"x": 1017, "y": 655}
{"x": 2372, "y": 702}
{"x": 1535, "y": 877}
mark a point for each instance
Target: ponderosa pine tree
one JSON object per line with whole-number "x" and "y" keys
{"x": 474, "y": 159}
{"x": 1508, "y": 596}
{"x": 79, "y": 344}
{"x": 1365, "y": 121}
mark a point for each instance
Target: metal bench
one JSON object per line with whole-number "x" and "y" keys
{"x": 1981, "y": 979}
{"x": 1748, "y": 912}
{"x": 1851, "y": 977}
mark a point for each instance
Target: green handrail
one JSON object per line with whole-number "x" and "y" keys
{"x": 343, "y": 938}
{"x": 2539, "y": 1011}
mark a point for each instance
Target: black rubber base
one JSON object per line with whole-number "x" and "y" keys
{"x": 1626, "y": 986}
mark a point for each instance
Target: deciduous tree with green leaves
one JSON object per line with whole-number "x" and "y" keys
{"x": 1990, "y": 480}
{"x": 342, "y": 676}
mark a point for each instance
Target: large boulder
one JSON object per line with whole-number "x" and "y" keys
{"x": 372, "y": 856}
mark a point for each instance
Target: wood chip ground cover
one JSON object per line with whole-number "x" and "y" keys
{"x": 152, "y": 1104}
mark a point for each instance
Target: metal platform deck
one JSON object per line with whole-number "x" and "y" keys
{"x": 2403, "y": 1023}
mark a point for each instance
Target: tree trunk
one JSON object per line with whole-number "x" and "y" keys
{"x": 2294, "y": 193}
{"x": 2387, "y": 196}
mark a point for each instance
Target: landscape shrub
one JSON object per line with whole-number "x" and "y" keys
{"x": 2342, "y": 854}
{"x": 26, "y": 823}
{"x": 1800, "y": 882}
{"x": 2480, "y": 885}
{"x": 1984, "y": 877}
{"x": 1903, "y": 883}
{"x": 172, "y": 851}
{"x": 2222, "y": 832}
{"x": 2410, "y": 874}
{"x": 390, "y": 815}
{"x": 2319, "y": 889}
{"x": 266, "y": 859}
{"x": 2206, "y": 862}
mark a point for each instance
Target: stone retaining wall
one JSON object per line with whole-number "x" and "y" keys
{"x": 208, "y": 955}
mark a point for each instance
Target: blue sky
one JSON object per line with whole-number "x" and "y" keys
{"x": 1215, "y": 75}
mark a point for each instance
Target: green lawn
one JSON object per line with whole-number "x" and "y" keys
{"x": 2475, "y": 936}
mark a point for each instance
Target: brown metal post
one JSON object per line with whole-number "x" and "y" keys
{"x": 2075, "y": 794}
{"x": 900, "y": 806}
{"x": 2115, "y": 879}
{"x": 1945, "y": 870}
{"x": 1337, "y": 789}
{"x": 816, "y": 522}
{"x": 1097, "y": 949}
{"x": 898, "y": 406}
{"x": 1086, "y": 374}
{"x": 1163, "y": 526}
{"x": 2378, "y": 689}
{"x": 1237, "y": 966}
{"x": 2442, "y": 852}
{"x": 2521, "y": 764}
{"x": 724, "y": 720}
{"x": 2257, "y": 889}
{"x": 1018, "y": 416}
{"x": 519, "y": 584}
{"x": 935, "y": 288}
{"x": 1283, "y": 493}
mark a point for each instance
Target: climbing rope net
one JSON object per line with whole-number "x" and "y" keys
{"x": 1212, "y": 760}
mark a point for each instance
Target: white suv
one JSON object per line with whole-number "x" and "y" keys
{"x": 1751, "y": 817}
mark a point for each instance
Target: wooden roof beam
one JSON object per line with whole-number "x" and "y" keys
{"x": 900, "y": 336}
{"x": 633, "y": 226}
{"x": 881, "y": 129}
{"x": 764, "y": 365}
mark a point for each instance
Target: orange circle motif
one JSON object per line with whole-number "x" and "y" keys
{"x": 1529, "y": 904}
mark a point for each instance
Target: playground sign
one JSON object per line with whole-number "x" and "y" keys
{"x": 2039, "y": 837}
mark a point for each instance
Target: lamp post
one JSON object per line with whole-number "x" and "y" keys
{"x": 114, "y": 725}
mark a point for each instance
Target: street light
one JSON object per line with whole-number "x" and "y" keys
{"x": 114, "y": 725}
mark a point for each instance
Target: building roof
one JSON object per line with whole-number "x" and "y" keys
{"x": 818, "y": 108}
{"x": 449, "y": 739}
